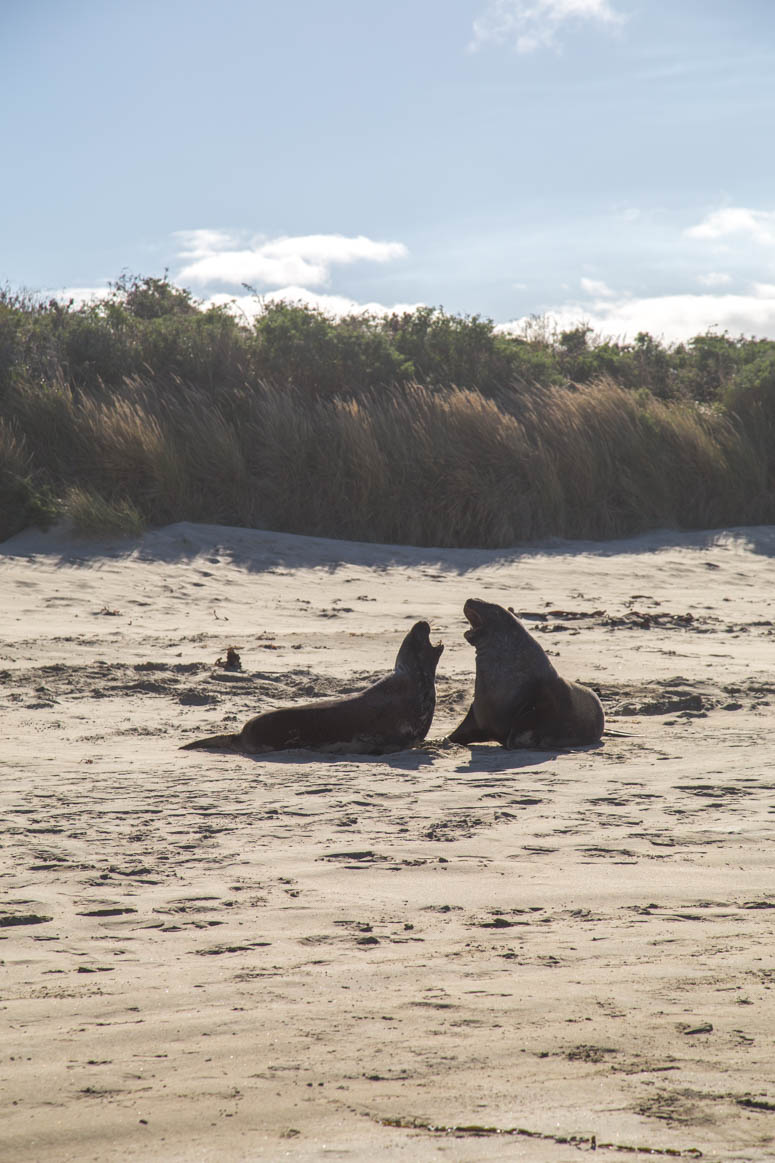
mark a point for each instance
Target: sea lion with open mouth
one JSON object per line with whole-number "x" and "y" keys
{"x": 394, "y": 713}
{"x": 519, "y": 698}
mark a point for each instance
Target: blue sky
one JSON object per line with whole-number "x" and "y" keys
{"x": 605, "y": 160}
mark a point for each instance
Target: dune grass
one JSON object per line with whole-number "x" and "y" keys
{"x": 421, "y": 428}
{"x": 414, "y": 465}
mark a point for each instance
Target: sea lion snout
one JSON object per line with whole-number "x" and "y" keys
{"x": 471, "y": 611}
{"x": 477, "y": 611}
{"x": 421, "y": 633}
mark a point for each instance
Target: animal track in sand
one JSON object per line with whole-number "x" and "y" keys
{"x": 21, "y": 917}
{"x": 684, "y": 1106}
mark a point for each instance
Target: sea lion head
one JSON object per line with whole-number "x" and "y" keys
{"x": 502, "y": 642}
{"x": 488, "y": 622}
{"x": 417, "y": 652}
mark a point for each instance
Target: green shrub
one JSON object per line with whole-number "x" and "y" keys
{"x": 419, "y": 427}
{"x": 92, "y": 515}
{"x": 25, "y": 496}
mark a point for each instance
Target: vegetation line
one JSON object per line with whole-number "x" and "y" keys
{"x": 421, "y": 428}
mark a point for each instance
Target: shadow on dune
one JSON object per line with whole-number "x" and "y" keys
{"x": 265, "y": 551}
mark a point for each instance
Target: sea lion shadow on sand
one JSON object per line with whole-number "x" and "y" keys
{"x": 403, "y": 759}
{"x": 483, "y": 757}
{"x": 389, "y": 716}
{"x": 520, "y": 700}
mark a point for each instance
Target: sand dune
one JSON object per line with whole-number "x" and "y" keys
{"x": 302, "y": 956}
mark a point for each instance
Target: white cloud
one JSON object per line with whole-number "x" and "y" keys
{"x": 198, "y": 243}
{"x": 596, "y": 288}
{"x": 758, "y": 225}
{"x": 714, "y": 279}
{"x": 304, "y": 260}
{"x": 673, "y": 318}
{"x": 249, "y": 306}
{"x": 78, "y": 296}
{"x": 533, "y": 24}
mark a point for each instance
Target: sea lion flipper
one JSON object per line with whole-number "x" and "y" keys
{"x": 213, "y": 743}
{"x": 523, "y": 726}
{"x": 469, "y": 730}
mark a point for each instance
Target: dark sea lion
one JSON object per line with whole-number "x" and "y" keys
{"x": 395, "y": 712}
{"x": 519, "y": 698}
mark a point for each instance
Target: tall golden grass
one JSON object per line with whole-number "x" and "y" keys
{"x": 412, "y": 465}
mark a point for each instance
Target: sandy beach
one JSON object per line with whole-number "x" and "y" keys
{"x": 446, "y": 952}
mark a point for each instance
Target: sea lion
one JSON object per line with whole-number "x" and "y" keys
{"x": 395, "y": 712}
{"x": 519, "y": 698}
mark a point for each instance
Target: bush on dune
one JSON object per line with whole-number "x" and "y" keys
{"x": 25, "y": 497}
{"x": 421, "y": 428}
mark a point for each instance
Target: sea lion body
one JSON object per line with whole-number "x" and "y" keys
{"x": 394, "y": 713}
{"x": 519, "y": 698}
